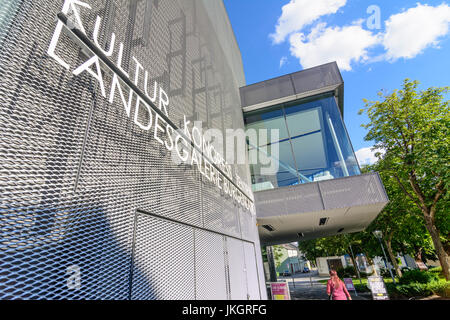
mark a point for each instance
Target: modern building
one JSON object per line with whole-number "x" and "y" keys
{"x": 324, "y": 264}
{"x": 317, "y": 189}
{"x": 93, "y": 204}
{"x": 114, "y": 181}
{"x": 290, "y": 259}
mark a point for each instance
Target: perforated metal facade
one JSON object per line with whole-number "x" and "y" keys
{"x": 93, "y": 207}
{"x": 294, "y": 86}
{"x": 366, "y": 189}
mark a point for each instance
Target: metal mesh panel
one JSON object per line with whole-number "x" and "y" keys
{"x": 261, "y": 276}
{"x": 251, "y": 271}
{"x": 213, "y": 208}
{"x": 246, "y": 221}
{"x": 269, "y": 203}
{"x": 253, "y": 94}
{"x": 293, "y": 84}
{"x": 47, "y": 231}
{"x": 226, "y": 39}
{"x": 74, "y": 168}
{"x": 289, "y": 200}
{"x": 230, "y": 218}
{"x": 267, "y": 91}
{"x": 210, "y": 266}
{"x": 361, "y": 190}
{"x": 350, "y": 203}
{"x": 315, "y": 78}
{"x": 312, "y": 197}
{"x": 163, "y": 260}
{"x": 254, "y": 237}
{"x": 238, "y": 281}
{"x": 309, "y": 197}
{"x": 279, "y": 87}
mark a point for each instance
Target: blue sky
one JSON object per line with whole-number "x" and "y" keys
{"x": 410, "y": 40}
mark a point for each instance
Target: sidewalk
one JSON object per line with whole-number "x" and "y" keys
{"x": 303, "y": 290}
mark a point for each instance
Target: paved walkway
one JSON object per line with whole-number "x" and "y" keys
{"x": 308, "y": 287}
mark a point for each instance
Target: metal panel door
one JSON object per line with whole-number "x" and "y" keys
{"x": 236, "y": 265}
{"x": 210, "y": 266}
{"x": 163, "y": 260}
{"x": 252, "y": 271}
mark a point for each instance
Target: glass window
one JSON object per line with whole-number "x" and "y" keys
{"x": 273, "y": 163}
{"x": 303, "y": 122}
{"x": 287, "y": 174}
{"x": 7, "y": 11}
{"x": 313, "y": 144}
{"x": 273, "y": 119}
{"x": 321, "y": 145}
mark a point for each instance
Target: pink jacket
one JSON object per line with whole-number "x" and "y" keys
{"x": 340, "y": 293}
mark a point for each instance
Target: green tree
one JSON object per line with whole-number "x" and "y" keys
{"x": 277, "y": 253}
{"x": 312, "y": 249}
{"x": 412, "y": 128}
{"x": 331, "y": 246}
{"x": 398, "y": 220}
{"x": 264, "y": 254}
{"x": 364, "y": 242}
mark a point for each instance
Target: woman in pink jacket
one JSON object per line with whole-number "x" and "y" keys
{"x": 337, "y": 288}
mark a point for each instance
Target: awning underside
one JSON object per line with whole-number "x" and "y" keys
{"x": 295, "y": 213}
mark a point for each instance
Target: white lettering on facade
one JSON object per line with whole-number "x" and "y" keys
{"x": 144, "y": 115}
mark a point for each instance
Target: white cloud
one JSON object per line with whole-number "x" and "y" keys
{"x": 366, "y": 156}
{"x": 283, "y": 61}
{"x": 409, "y": 33}
{"x": 326, "y": 44}
{"x": 300, "y": 13}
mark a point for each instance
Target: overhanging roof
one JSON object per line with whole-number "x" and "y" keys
{"x": 349, "y": 203}
{"x": 294, "y": 86}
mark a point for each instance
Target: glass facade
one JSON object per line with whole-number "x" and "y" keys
{"x": 312, "y": 144}
{"x": 7, "y": 12}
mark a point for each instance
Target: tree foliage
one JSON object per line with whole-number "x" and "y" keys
{"x": 400, "y": 221}
{"x": 411, "y": 131}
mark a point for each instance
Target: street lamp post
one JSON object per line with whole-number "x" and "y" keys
{"x": 356, "y": 267}
{"x": 379, "y": 235}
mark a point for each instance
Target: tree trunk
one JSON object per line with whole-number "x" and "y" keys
{"x": 355, "y": 266}
{"x": 429, "y": 214}
{"x": 271, "y": 262}
{"x": 393, "y": 258}
{"x": 353, "y": 261}
{"x": 371, "y": 263}
{"x": 447, "y": 245}
{"x": 418, "y": 254}
{"x": 442, "y": 255}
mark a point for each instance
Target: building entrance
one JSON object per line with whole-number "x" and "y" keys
{"x": 334, "y": 264}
